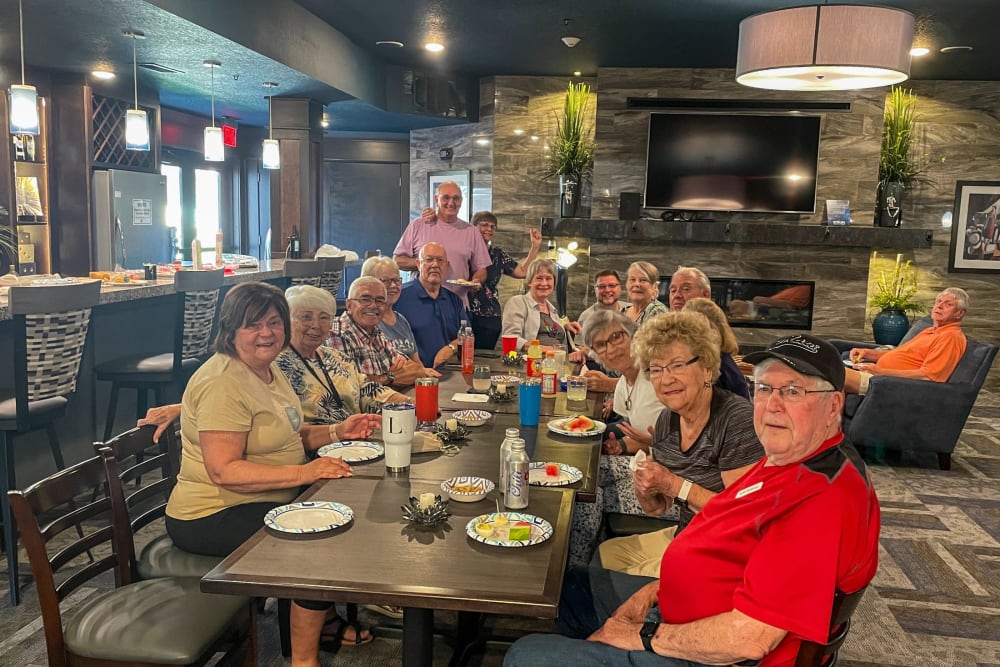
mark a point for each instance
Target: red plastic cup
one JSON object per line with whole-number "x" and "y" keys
{"x": 509, "y": 344}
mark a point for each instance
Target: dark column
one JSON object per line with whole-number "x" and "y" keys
{"x": 295, "y": 190}
{"x": 70, "y": 148}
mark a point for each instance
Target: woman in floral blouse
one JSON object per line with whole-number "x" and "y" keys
{"x": 484, "y": 306}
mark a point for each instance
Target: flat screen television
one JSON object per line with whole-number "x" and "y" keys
{"x": 732, "y": 162}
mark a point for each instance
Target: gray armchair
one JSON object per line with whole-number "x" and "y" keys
{"x": 917, "y": 415}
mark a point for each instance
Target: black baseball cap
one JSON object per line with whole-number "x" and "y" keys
{"x": 806, "y": 354}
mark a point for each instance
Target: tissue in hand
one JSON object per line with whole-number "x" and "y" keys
{"x": 639, "y": 457}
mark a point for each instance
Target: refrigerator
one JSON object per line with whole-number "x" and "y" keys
{"x": 130, "y": 220}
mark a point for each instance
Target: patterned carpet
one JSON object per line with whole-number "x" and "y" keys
{"x": 935, "y": 601}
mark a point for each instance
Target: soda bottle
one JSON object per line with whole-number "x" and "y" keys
{"x": 467, "y": 347}
{"x": 509, "y": 437}
{"x": 550, "y": 383}
{"x": 518, "y": 463}
{"x": 533, "y": 368}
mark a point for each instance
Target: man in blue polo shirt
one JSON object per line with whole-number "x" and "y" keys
{"x": 434, "y": 314}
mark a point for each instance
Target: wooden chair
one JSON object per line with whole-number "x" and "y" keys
{"x": 812, "y": 654}
{"x": 196, "y": 299}
{"x": 304, "y": 271}
{"x": 137, "y": 456}
{"x": 159, "y": 621}
{"x": 50, "y": 332}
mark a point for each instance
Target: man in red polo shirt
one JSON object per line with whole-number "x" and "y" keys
{"x": 755, "y": 571}
{"x": 930, "y": 355}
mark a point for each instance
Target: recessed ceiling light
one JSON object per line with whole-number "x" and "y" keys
{"x": 102, "y": 74}
{"x": 483, "y": 142}
{"x": 955, "y": 49}
{"x": 918, "y": 51}
{"x": 577, "y": 73}
{"x": 389, "y": 42}
{"x": 434, "y": 47}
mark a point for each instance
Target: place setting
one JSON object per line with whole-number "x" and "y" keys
{"x": 577, "y": 426}
{"x": 309, "y": 517}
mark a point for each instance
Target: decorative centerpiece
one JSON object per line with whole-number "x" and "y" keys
{"x": 513, "y": 359}
{"x": 892, "y": 294}
{"x": 503, "y": 389}
{"x": 451, "y": 431}
{"x": 898, "y": 168}
{"x": 426, "y": 510}
{"x": 571, "y": 157}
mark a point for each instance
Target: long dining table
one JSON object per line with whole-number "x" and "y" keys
{"x": 380, "y": 558}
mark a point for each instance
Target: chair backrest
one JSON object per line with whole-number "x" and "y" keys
{"x": 974, "y": 364}
{"x": 50, "y": 331}
{"x": 333, "y": 274}
{"x": 812, "y": 654}
{"x": 917, "y": 326}
{"x": 304, "y": 271}
{"x": 197, "y": 298}
{"x": 148, "y": 502}
{"x": 53, "y": 507}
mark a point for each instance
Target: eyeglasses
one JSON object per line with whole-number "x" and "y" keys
{"x": 789, "y": 393}
{"x": 685, "y": 288}
{"x": 600, "y": 346}
{"x": 369, "y": 300}
{"x": 607, "y": 286}
{"x": 391, "y": 281}
{"x": 309, "y": 318}
{"x": 260, "y": 325}
{"x": 670, "y": 369}
{"x": 434, "y": 260}
{"x": 450, "y": 197}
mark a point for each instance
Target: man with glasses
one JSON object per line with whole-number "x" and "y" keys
{"x": 608, "y": 290}
{"x": 462, "y": 242}
{"x": 755, "y": 572}
{"x": 356, "y": 333}
{"x": 688, "y": 283}
{"x": 434, "y": 314}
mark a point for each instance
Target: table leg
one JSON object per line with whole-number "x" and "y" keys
{"x": 469, "y": 637}
{"x": 418, "y": 637}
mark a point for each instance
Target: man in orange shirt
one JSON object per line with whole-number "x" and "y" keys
{"x": 930, "y": 355}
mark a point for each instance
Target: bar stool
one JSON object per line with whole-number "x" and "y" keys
{"x": 304, "y": 271}
{"x": 333, "y": 274}
{"x": 196, "y": 299}
{"x": 50, "y": 332}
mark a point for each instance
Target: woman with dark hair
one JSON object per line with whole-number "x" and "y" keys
{"x": 484, "y": 306}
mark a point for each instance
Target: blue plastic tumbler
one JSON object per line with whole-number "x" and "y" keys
{"x": 529, "y": 399}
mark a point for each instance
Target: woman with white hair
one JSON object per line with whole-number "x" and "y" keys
{"x": 532, "y": 315}
{"x": 395, "y": 327}
{"x": 643, "y": 286}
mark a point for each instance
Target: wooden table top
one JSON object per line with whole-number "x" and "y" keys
{"x": 379, "y": 558}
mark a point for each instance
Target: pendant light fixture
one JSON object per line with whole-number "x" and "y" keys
{"x": 215, "y": 150}
{"x": 136, "y": 127}
{"x": 825, "y": 47}
{"x": 23, "y": 98}
{"x": 270, "y": 149}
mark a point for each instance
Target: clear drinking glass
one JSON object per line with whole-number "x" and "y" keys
{"x": 576, "y": 388}
{"x": 481, "y": 379}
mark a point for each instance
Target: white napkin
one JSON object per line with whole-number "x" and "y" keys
{"x": 471, "y": 398}
{"x": 639, "y": 457}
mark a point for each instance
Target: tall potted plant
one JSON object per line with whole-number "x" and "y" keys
{"x": 898, "y": 169}
{"x": 893, "y": 296}
{"x": 571, "y": 156}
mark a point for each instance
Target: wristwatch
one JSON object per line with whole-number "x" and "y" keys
{"x": 453, "y": 348}
{"x": 390, "y": 379}
{"x": 682, "y": 496}
{"x": 646, "y": 634}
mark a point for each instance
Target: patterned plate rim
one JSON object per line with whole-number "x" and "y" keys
{"x": 601, "y": 427}
{"x": 448, "y": 485}
{"x": 573, "y": 472}
{"x": 546, "y": 527}
{"x": 472, "y": 416}
{"x": 506, "y": 379}
{"x": 377, "y": 450}
{"x": 345, "y": 513}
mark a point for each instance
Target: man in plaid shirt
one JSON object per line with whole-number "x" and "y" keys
{"x": 357, "y": 335}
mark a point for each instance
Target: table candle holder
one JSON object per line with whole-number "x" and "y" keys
{"x": 505, "y": 397}
{"x": 513, "y": 360}
{"x": 446, "y": 436}
{"x": 427, "y": 516}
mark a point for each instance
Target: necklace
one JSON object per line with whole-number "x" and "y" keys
{"x": 628, "y": 397}
{"x": 331, "y": 389}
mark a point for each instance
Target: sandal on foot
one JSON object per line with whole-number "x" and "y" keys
{"x": 333, "y": 634}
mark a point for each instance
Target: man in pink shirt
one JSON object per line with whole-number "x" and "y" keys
{"x": 467, "y": 252}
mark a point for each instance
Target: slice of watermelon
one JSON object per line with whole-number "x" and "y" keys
{"x": 580, "y": 424}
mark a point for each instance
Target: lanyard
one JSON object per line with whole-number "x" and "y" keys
{"x": 331, "y": 389}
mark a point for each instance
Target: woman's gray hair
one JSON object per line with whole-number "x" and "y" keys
{"x": 546, "y": 265}
{"x": 246, "y": 304}
{"x": 647, "y": 269}
{"x": 308, "y": 297}
{"x": 358, "y": 283}
{"x": 375, "y": 266}
{"x": 961, "y": 297}
{"x": 602, "y": 320}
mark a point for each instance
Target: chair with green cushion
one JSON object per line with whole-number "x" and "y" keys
{"x": 138, "y": 456}
{"x": 159, "y": 621}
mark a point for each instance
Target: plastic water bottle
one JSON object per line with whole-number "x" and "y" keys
{"x": 533, "y": 368}
{"x": 518, "y": 463}
{"x": 467, "y": 348}
{"x": 550, "y": 383}
{"x": 510, "y": 436}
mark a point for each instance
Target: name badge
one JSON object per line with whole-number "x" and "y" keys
{"x": 753, "y": 488}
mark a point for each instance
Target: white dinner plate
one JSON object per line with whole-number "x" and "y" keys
{"x": 567, "y": 474}
{"x": 559, "y": 426}
{"x": 308, "y": 517}
{"x": 352, "y": 451}
{"x": 541, "y": 530}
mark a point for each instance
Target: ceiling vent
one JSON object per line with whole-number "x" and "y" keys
{"x": 162, "y": 69}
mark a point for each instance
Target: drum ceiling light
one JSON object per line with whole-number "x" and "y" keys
{"x": 825, "y": 47}
{"x": 136, "y": 127}
{"x": 215, "y": 149}
{"x": 270, "y": 149}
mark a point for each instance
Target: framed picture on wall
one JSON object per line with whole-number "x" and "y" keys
{"x": 975, "y": 227}
{"x": 463, "y": 177}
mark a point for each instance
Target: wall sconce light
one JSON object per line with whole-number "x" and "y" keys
{"x": 215, "y": 150}
{"x": 270, "y": 150}
{"x": 136, "y": 127}
{"x": 22, "y": 97}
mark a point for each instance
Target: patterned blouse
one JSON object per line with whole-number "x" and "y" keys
{"x": 484, "y": 302}
{"x": 350, "y": 394}
{"x": 655, "y": 307}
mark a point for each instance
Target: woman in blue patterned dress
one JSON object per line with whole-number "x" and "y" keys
{"x": 484, "y": 306}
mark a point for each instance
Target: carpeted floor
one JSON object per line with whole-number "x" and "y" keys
{"x": 934, "y": 603}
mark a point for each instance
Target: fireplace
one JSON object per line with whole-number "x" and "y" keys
{"x": 759, "y": 303}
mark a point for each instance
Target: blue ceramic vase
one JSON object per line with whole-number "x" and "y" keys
{"x": 890, "y": 326}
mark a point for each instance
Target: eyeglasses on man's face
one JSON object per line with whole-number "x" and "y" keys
{"x": 683, "y": 288}
{"x": 366, "y": 300}
{"x": 789, "y": 393}
{"x": 599, "y": 346}
{"x": 450, "y": 197}
{"x": 603, "y": 286}
{"x": 670, "y": 369}
{"x": 434, "y": 260}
